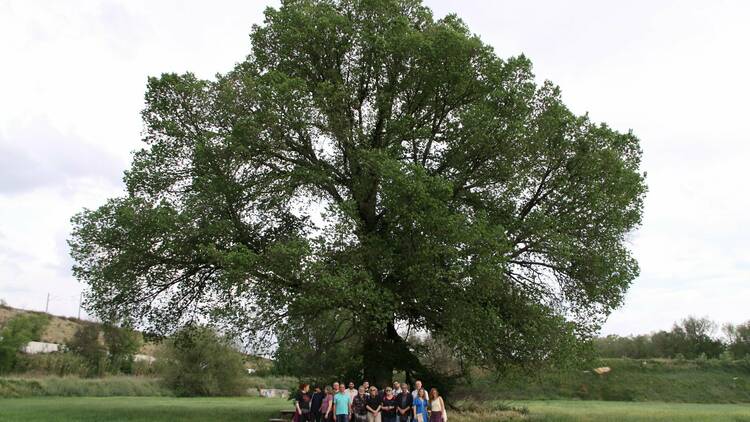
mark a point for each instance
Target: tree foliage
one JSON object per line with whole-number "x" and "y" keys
{"x": 196, "y": 361}
{"x": 690, "y": 338}
{"x": 88, "y": 343}
{"x": 369, "y": 160}
{"x": 122, "y": 345}
{"x": 16, "y": 333}
{"x": 738, "y": 339}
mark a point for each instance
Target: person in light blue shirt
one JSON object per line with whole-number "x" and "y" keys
{"x": 343, "y": 403}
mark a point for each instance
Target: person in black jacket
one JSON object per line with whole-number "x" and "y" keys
{"x": 389, "y": 406}
{"x": 315, "y": 402}
{"x": 405, "y": 401}
{"x": 374, "y": 406}
{"x": 302, "y": 403}
{"x": 359, "y": 406}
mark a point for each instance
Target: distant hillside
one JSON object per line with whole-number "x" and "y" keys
{"x": 59, "y": 330}
{"x": 62, "y": 329}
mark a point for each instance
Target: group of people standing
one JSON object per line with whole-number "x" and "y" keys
{"x": 368, "y": 404}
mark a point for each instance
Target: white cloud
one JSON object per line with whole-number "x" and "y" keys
{"x": 35, "y": 155}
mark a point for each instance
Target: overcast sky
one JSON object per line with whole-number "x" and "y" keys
{"x": 73, "y": 76}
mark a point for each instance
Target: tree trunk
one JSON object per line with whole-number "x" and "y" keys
{"x": 378, "y": 360}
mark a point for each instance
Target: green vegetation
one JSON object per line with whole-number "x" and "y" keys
{"x": 157, "y": 409}
{"x": 199, "y": 362}
{"x": 106, "y": 348}
{"x": 144, "y": 409}
{"x": 699, "y": 381}
{"x": 577, "y": 411}
{"x": 690, "y": 338}
{"x": 55, "y": 364}
{"x": 454, "y": 191}
{"x": 16, "y": 333}
{"x": 122, "y": 345}
{"x": 86, "y": 344}
{"x": 14, "y": 387}
{"x": 74, "y": 386}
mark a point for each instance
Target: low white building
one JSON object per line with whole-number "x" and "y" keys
{"x": 36, "y": 347}
{"x": 273, "y": 393}
{"x": 144, "y": 358}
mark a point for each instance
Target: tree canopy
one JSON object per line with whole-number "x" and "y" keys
{"x": 378, "y": 167}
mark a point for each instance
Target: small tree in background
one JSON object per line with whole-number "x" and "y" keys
{"x": 122, "y": 344}
{"x": 17, "y": 332}
{"x": 738, "y": 339}
{"x": 197, "y": 361}
{"x": 699, "y": 337}
{"x": 87, "y": 344}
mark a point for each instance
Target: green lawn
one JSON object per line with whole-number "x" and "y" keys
{"x": 89, "y": 409}
{"x": 601, "y": 411}
{"x": 258, "y": 409}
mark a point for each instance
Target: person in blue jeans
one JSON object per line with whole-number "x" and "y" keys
{"x": 342, "y": 402}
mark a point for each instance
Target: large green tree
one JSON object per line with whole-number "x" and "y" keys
{"x": 370, "y": 161}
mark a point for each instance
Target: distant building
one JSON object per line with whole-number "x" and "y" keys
{"x": 144, "y": 358}
{"x": 273, "y": 393}
{"x": 36, "y": 347}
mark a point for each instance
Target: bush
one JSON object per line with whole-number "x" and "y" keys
{"x": 122, "y": 344}
{"x": 20, "y": 330}
{"x": 86, "y": 343}
{"x": 60, "y": 364}
{"x": 144, "y": 368}
{"x": 196, "y": 361}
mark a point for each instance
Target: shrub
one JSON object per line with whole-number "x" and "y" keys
{"x": 144, "y": 368}
{"x": 196, "y": 361}
{"x": 122, "y": 344}
{"x": 86, "y": 343}
{"x": 60, "y": 364}
{"x": 20, "y": 330}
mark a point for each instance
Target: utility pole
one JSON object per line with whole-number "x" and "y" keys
{"x": 46, "y": 307}
{"x": 80, "y": 299}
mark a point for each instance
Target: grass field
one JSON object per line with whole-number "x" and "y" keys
{"x": 158, "y": 409}
{"x": 600, "y": 411}
{"x": 709, "y": 381}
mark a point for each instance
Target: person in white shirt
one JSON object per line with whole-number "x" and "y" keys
{"x": 352, "y": 391}
{"x": 417, "y": 387}
{"x": 396, "y": 388}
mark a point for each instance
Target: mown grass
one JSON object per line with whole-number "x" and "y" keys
{"x": 253, "y": 409}
{"x": 135, "y": 409}
{"x": 590, "y": 411}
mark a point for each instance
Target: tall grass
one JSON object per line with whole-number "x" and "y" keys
{"x": 707, "y": 381}
{"x": 74, "y": 386}
{"x": 69, "y": 386}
